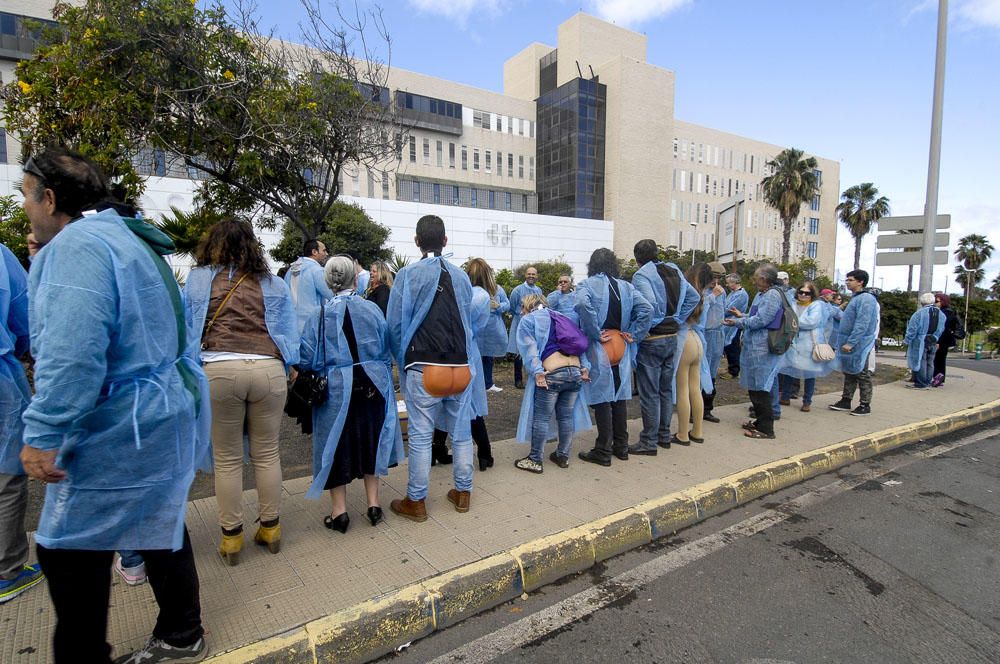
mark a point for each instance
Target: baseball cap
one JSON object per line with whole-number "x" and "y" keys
{"x": 827, "y": 291}
{"x": 717, "y": 268}
{"x": 782, "y": 275}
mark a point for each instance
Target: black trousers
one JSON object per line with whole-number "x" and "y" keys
{"x": 761, "y": 401}
{"x": 79, "y": 584}
{"x": 941, "y": 359}
{"x": 612, "y": 423}
{"x": 732, "y": 352}
{"x": 518, "y": 370}
{"x": 480, "y": 436}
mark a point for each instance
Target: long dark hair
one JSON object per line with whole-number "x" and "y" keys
{"x": 699, "y": 276}
{"x": 232, "y": 243}
{"x": 603, "y": 261}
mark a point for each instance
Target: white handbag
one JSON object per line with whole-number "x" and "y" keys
{"x": 822, "y": 352}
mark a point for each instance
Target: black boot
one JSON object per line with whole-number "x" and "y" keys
{"x": 709, "y": 401}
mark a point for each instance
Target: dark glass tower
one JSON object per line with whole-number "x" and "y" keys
{"x": 570, "y": 147}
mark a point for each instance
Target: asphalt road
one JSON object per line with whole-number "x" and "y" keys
{"x": 895, "y": 559}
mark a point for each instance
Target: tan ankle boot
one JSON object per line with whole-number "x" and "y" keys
{"x": 414, "y": 510}
{"x": 231, "y": 547}
{"x": 269, "y": 536}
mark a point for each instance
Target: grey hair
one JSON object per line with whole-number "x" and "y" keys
{"x": 733, "y": 278}
{"x": 768, "y": 273}
{"x": 926, "y": 298}
{"x": 340, "y": 273}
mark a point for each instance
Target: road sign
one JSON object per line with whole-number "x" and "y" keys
{"x": 910, "y": 241}
{"x": 911, "y": 223}
{"x": 889, "y": 258}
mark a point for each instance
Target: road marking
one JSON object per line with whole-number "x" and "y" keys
{"x": 591, "y": 600}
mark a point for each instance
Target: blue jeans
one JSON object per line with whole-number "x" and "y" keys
{"x": 426, "y": 411}
{"x": 488, "y": 371}
{"x": 131, "y": 558}
{"x": 922, "y": 377}
{"x": 655, "y": 375}
{"x": 775, "y": 396}
{"x": 560, "y": 397}
{"x": 789, "y": 386}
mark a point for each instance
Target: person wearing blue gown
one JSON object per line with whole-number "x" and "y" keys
{"x": 516, "y": 295}
{"x": 738, "y": 299}
{"x": 815, "y": 327}
{"x": 672, "y": 299}
{"x": 832, "y": 299}
{"x": 758, "y": 365}
{"x": 492, "y": 339}
{"x": 608, "y": 307}
{"x": 306, "y": 283}
{"x": 119, "y": 420}
{"x": 16, "y": 575}
{"x": 552, "y": 394}
{"x": 856, "y": 343}
{"x": 432, "y": 320}
{"x": 563, "y": 298}
{"x": 923, "y": 331}
{"x": 712, "y": 312}
{"x": 356, "y": 432}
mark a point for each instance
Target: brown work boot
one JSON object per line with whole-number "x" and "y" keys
{"x": 460, "y": 499}
{"x": 414, "y": 510}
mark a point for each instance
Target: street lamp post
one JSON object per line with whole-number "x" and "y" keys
{"x": 512, "y": 231}
{"x": 694, "y": 226}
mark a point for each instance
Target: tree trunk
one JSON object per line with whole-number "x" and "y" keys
{"x": 857, "y": 252}
{"x": 786, "y": 239}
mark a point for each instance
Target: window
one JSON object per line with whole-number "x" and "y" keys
{"x": 510, "y": 165}
{"x": 814, "y": 204}
{"x": 499, "y": 122}
{"x": 520, "y": 166}
{"x": 489, "y": 161}
{"x": 413, "y": 149}
{"x": 8, "y": 24}
{"x": 437, "y": 194}
{"x": 440, "y": 154}
{"x": 506, "y": 200}
{"x": 355, "y": 184}
{"x": 455, "y": 200}
{"x": 499, "y": 163}
{"x": 399, "y": 147}
{"x": 819, "y": 177}
{"x": 427, "y": 152}
{"x": 493, "y": 199}
{"x": 520, "y": 127}
{"x": 385, "y": 185}
{"x": 813, "y": 226}
{"x": 451, "y": 155}
{"x": 416, "y": 191}
{"x": 465, "y": 158}
{"x": 510, "y": 125}
{"x": 531, "y": 168}
{"x": 475, "y": 197}
{"x": 531, "y": 128}
{"x": 812, "y": 249}
{"x": 676, "y": 147}
{"x": 475, "y": 159}
{"x": 371, "y": 184}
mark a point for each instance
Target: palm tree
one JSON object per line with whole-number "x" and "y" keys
{"x": 973, "y": 250}
{"x": 860, "y": 207}
{"x": 995, "y": 287}
{"x": 792, "y": 182}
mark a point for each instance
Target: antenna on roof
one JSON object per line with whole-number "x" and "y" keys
{"x": 578, "y": 70}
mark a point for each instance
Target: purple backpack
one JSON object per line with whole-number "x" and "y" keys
{"x": 570, "y": 339}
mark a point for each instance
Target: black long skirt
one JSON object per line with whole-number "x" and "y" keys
{"x": 358, "y": 446}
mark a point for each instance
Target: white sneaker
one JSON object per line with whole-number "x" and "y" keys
{"x": 494, "y": 388}
{"x": 133, "y": 576}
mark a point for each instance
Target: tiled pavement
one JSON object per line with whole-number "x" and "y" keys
{"x": 319, "y": 571}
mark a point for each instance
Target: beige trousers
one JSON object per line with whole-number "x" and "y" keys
{"x": 246, "y": 395}
{"x": 689, "y": 403}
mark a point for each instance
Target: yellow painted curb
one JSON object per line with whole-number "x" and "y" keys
{"x": 373, "y": 628}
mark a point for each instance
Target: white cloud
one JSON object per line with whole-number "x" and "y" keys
{"x": 632, "y": 12}
{"x": 460, "y": 10}
{"x": 985, "y": 13}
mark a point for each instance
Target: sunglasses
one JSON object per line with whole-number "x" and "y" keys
{"x": 807, "y": 293}
{"x": 32, "y": 168}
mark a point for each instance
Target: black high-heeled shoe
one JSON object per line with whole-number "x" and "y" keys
{"x": 375, "y": 515}
{"x": 439, "y": 455}
{"x": 485, "y": 463}
{"x": 340, "y": 523}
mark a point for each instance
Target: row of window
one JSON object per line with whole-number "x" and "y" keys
{"x": 714, "y": 155}
{"x": 420, "y": 103}
{"x": 419, "y": 191}
{"x": 712, "y": 185}
{"x": 481, "y": 160}
{"x": 689, "y": 211}
{"x": 504, "y": 124}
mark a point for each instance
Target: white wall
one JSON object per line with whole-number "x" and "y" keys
{"x": 471, "y": 231}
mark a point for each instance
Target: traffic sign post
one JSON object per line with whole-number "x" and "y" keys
{"x": 892, "y": 240}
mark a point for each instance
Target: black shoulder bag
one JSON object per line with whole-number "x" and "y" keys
{"x": 310, "y": 388}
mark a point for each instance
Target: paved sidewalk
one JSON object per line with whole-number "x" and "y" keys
{"x": 319, "y": 571}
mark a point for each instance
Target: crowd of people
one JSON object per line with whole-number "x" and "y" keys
{"x": 138, "y": 384}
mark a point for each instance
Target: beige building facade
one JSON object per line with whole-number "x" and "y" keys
{"x": 582, "y": 129}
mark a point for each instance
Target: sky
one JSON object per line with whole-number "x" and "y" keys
{"x": 849, "y": 80}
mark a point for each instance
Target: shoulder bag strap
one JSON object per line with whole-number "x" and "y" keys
{"x": 208, "y": 328}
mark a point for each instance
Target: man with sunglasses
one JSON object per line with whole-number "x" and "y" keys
{"x": 563, "y": 298}
{"x": 116, "y": 428}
